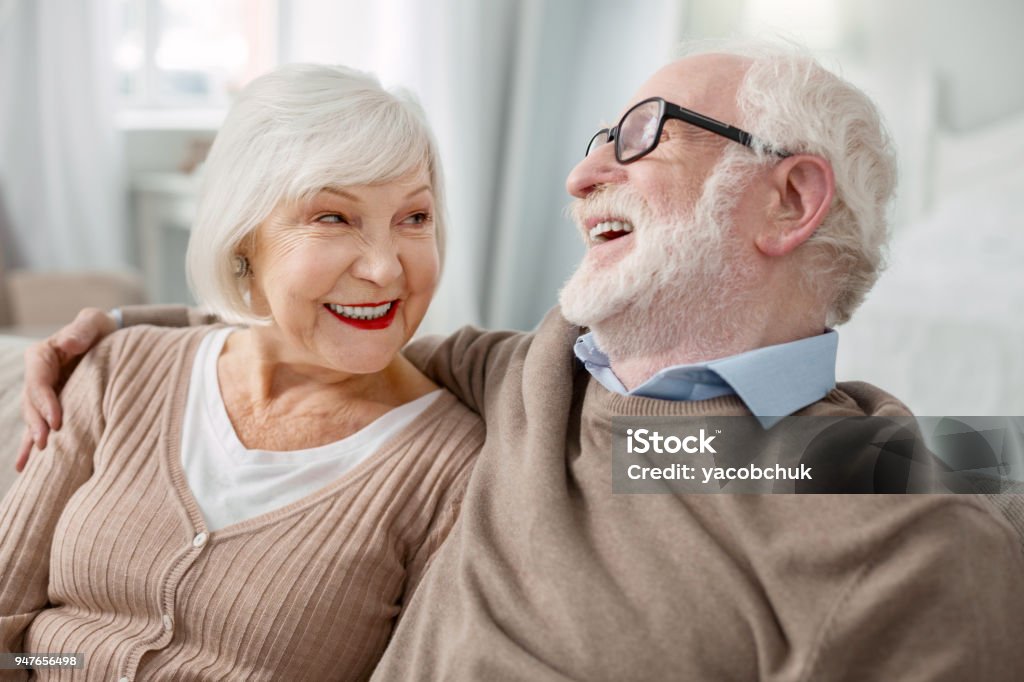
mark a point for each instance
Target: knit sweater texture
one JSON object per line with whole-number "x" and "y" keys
{"x": 103, "y": 549}
{"x": 548, "y": 575}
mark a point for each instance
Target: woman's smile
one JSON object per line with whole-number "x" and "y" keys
{"x": 365, "y": 315}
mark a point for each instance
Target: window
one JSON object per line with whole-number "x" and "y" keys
{"x": 191, "y": 54}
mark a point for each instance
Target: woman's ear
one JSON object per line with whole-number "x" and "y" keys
{"x": 245, "y": 255}
{"x": 802, "y": 188}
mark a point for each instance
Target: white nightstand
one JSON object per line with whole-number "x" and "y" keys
{"x": 165, "y": 205}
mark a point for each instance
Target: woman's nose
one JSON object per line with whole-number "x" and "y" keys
{"x": 378, "y": 263}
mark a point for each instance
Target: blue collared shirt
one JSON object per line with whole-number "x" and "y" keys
{"x": 773, "y": 382}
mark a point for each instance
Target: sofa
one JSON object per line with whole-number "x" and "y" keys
{"x": 12, "y": 349}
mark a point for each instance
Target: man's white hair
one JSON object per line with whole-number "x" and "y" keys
{"x": 291, "y": 133}
{"x": 789, "y": 100}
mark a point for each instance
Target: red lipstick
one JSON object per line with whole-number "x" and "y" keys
{"x": 377, "y": 323}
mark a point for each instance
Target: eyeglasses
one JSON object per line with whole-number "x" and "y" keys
{"x": 639, "y": 131}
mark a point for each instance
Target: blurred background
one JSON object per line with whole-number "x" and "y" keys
{"x": 107, "y": 108}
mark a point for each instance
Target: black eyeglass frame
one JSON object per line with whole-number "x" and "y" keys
{"x": 674, "y": 111}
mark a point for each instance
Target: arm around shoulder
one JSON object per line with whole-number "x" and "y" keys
{"x": 470, "y": 363}
{"x": 165, "y": 316}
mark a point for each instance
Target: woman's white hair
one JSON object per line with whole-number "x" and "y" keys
{"x": 292, "y": 132}
{"x": 787, "y": 99}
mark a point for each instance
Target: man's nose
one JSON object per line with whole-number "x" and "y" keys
{"x": 600, "y": 168}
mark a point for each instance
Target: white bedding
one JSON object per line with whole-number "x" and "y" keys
{"x": 944, "y": 328}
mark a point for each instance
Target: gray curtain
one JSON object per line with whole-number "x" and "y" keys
{"x": 575, "y": 65}
{"x": 59, "y": 147}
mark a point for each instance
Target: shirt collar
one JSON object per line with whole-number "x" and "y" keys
{"x": 773, "y": 382}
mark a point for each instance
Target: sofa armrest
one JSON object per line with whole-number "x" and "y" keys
{"x": 12, "y": 369}
{"x": 41, "y": 299}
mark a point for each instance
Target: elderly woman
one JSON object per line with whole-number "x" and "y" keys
{"x": 258, "y": 501}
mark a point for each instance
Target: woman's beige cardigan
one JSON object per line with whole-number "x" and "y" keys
{"x": 103, "y": 550}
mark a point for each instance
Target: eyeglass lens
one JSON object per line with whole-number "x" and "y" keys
{"x": 638, "y": 131}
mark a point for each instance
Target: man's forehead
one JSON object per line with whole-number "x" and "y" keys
{"x": 706, "y": 83}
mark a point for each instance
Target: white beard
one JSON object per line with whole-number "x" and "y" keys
{"x": 681, "y": 285}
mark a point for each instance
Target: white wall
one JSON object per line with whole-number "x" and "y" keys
{"x": 978, "y": 52}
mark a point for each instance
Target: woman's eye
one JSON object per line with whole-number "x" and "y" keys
{"x": 332, "y": 218}
{"x": 418, "y": 218}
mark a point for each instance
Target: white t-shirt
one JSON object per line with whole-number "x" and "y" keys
{"x": 232, "y": 483}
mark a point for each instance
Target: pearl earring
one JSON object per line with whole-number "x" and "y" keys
{"x": 242, "y": 267}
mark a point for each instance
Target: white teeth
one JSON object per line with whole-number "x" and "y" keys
{"x": 361, "y": 312}
{"x": 609, "y": 226}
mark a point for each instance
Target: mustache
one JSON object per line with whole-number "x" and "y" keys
{"x": 618, "y": 201}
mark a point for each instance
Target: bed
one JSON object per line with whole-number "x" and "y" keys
{"x": 944, "y": 328}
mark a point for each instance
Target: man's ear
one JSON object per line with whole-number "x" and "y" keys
{"x": 802, "y": 187}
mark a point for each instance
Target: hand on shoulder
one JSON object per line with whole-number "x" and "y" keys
{"x": 48, "y": 364}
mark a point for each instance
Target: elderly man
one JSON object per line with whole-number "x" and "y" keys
{"x": 717, "y": 258}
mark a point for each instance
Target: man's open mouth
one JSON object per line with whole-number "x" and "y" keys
{"x": 609, "y": 230}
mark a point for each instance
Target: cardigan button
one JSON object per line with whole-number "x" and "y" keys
{"x": 124, "y": 679}
{"x": 168, "y": 623}
{"x": 199, "y": 540}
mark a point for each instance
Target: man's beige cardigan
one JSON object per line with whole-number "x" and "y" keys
{"x": 103, "y": 549}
